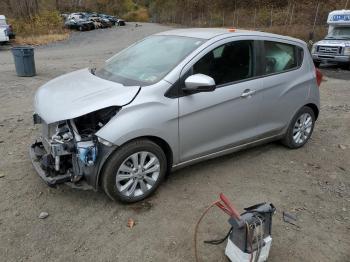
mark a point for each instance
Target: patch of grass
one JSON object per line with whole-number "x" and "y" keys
{"x": 41, "y": 39}
{"x": 40, "y": 29}
{"x": 47, "y": 22}
{"x": 139, "y": 15}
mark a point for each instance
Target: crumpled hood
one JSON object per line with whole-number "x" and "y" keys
{"x": 79, "y": 93}
{"x": 342, "y": 43}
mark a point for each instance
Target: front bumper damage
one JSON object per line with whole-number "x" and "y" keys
{"x": 77, "y": 163}
{"x": 36, "y": 153}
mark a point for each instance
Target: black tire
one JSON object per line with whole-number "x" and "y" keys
{"x": 317, "y": 64}
{"x": 288, "y": 140}
{"x": 345, "y": 66}
{"x": 116, "y": 160}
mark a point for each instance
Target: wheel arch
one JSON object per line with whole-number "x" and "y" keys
{"x": 157, "y": 140}
{"x": 314, "y": 109}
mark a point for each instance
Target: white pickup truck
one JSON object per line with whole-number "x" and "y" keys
{"x": 335, "y": 47}
{"x": 4, "y": 38}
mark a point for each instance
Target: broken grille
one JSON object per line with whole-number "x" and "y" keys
{"x": 47, "y": 132}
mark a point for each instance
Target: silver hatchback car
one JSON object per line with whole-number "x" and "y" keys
{"x": 171, "y": 100}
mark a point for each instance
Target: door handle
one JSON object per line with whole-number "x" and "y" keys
{"x": 248, "y": 93}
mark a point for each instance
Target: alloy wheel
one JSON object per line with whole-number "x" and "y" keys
{"x": 302, "y": 128}
{"x": 137, "y": 174}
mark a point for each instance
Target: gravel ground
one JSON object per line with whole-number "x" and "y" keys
{"x": 312, "y": 182}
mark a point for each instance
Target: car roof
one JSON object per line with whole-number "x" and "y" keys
{"x": 209, "y": 33}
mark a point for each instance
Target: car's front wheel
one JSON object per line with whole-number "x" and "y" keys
{"x": 300, "y": 128}
{"x": 134, "y": 171}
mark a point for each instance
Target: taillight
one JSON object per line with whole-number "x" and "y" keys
{"x": 319, "y": 77}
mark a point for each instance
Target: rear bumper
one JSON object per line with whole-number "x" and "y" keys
{"x": 329, "y": 58}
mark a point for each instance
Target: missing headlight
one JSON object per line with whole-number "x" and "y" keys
{"x": 89, "y": 124}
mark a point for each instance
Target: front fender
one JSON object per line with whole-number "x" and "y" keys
{"x": 145, "y": 118}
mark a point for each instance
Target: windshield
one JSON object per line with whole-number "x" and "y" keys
{"x": 148, "y": 61}
{"x": 2, "y": 22}
{"x": 339, "y": 33}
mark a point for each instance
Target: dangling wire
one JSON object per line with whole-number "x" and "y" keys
{"x": 219, "y": 241}
{"x": 196, "y": 228}
{"x": 225, "y": 205}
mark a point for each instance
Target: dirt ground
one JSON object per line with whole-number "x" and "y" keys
{"x": 312, "y": 182}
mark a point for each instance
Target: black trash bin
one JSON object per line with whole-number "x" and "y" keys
{"x": 24, "y": 60}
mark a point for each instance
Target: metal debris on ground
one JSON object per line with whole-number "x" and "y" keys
{"x": 43, "y": 215}
{"x": 290, "y": 218}
{"x": 342, "y": 146}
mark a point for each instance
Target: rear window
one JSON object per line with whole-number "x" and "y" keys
{"x": 280, "y": 57}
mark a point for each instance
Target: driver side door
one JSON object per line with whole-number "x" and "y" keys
{"x": 226, "y": 117}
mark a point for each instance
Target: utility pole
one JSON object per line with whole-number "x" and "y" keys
{"x": 271, "y": 16}
{"x": 287, "y": 14}
{"x": 291, "y": 16}
{"x": 223, "y": 19}
{"x": 234, "y": 14}
{"x": 318, "y": 6}
{"x": 312, "y": 34}
{"x": 254, "y": 18}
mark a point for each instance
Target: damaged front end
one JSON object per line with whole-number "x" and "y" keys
{"x": 69, "y": 151}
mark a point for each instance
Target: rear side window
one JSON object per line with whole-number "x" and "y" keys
{"x": 228, "y": 63}
{"x": 281, "y": 57}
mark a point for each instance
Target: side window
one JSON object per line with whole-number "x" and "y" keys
{"x": 227, "y": 63}
{"x": 300, "y": 56}
{"x": 279, "y": 57}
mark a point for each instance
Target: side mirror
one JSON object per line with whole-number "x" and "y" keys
{"x": 199, "y": 83}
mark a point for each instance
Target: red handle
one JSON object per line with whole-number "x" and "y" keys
{"x": 227, "y": 207}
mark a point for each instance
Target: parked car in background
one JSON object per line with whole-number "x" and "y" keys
{"x": 9, "y": 29}
{"x": 148, "y": 111}
{"x": 114, "y": 20}
{"x": 110, "y": 18}
{"x": 84, "y": 20}
{"x": 77, "y": 16}
{"x": 3, "y": 36}
{"x": 99, "y": 22}
{"x": 106, "y": 22}
{"x": 79, "y": 24}
{"x": 121, "y": 22}
{"x": 335, "y": 47}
